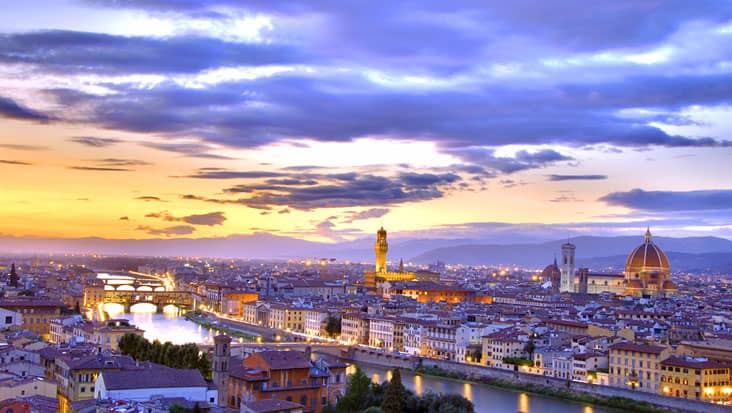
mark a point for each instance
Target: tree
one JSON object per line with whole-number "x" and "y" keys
{"x": 396, "y": 394}
{"x": 357, "y": 393}
{"x": 333, "y": 326}
{"x": 451, "y": 403}
{"x": 530, "y": 347}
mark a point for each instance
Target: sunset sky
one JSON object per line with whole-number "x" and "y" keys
{"x": 325, "y": 119}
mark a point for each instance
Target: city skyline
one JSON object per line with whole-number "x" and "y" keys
{"x": 160, "y": 119}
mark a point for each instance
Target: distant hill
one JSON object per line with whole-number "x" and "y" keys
{"x": 588, "y": 248}
{"x": 593, "y": 252}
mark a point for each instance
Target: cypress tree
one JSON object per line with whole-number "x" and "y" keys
{"x": 396, "y": 394}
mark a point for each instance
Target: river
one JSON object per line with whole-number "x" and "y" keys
{"x": 170, "y": 326}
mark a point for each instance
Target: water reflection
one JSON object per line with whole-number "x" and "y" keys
{"x": 523, "y": 402}
{"x": 166, "y": 326}
{"x": 486, "y": 399}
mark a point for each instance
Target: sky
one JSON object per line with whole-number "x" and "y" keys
{"x": 323, "y": 120}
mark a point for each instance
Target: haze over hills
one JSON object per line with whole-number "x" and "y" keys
{"x": 592, "y": 251}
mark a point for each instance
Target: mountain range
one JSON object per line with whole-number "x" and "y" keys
{"x": 689, "y": 253}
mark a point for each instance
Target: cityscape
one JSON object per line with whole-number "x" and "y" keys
{"x": 365, "y": 207}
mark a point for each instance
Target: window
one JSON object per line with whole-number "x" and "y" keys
{"x": 304, "y": 400}
{"x": 9, "y": 319}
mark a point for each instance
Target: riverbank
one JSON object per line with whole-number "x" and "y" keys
{"x": 611, "y": 402}
{"x": 605, "y": 396}
{"x": 202, "y": 320}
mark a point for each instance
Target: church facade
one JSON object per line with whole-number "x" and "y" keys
{"x": 647, "y": 273}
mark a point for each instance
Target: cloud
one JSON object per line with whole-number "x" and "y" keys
{"x": 576, "y": 177}
{"x": 671, "y": 200}
{"x": 111, "y": 162}
{"x": 111, "y": 165}
{"x": 148, "y": 198}
{"x": 168, "y": 231}
{"x": 225, "y": 174}
{"x": 12, "y": 110}
{"x": 94, "y": 142}
{"x": 366, "y": 214}
{"x": 521, "y": 161}
{"x": 209, "y": 219}
{"x": 8, "y": 162}
{"x": 63, "y": 51}
{"x": 342, "y": 190}
{"x": 191, "y": 150}
{"x": 20, "y": 147}
{"x": 99, "y": 169}
{"x": 125, "y": 218}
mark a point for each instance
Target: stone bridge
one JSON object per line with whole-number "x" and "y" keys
{"x": 160, "y": 299}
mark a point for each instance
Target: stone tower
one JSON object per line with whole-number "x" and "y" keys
{"x": 13, "y": 276}
{"x": 221, "y": 358}
{"x": 567, "y": 268}
{"x": 381, "y": 248}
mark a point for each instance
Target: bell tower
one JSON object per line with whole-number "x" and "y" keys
{"x": 381, "y": 247}
{"x": 221, "y": 358}
{"x": 567, "y": 269}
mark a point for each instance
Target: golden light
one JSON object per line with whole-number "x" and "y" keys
{"x": 727, "y": 390}
{"x": 259, "y": 339}
{"x": 667, "y": 389}
{"x": 709, "y": 391}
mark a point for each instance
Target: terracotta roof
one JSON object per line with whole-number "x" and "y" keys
{"x": 640, "y": 348}
{"x": 647, "y": 256}
{"x": 693, "y": 363}
{"x": 284, "y": 360}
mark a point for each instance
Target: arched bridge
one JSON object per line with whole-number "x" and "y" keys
{"x": 158, "y": 298}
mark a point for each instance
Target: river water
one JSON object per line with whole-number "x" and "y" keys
{"x": 170, "y": 326}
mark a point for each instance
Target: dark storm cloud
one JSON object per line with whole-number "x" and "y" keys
{"x": 226, "y": 174}
{"x": 168, "y": 231}
{"x": 9, "y": 162}
{"x": 209, "y": 219}
{"x": 12, "y": 110}
{"x": 94, "y": 142}
{"x": 69, "y": 51}
{"x": 671, "y": 200}
{"x": 576, "y": 177}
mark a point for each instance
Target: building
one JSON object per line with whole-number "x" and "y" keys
{"x": 386, "y": 333}
{"x": 695, "y": 378}
{"x": 381, "y": 273}
{"x": 647, "y": 270}
{"x": 37, "y": 313}
{"x": 10, "y": 319}
{"x": 355, "y": 328}
{"x": 149, "y": 380}
{"x": 636, "y": 366}
{"x": 567, "y": 269}
{"x": 554, "y": 275}
{"x": 221, "y": 360}
{"x": 314, "y": 320}
{"x": 430, "y": 291}
{"x": 282, "y": 375}
{"x": 271, "y": 406}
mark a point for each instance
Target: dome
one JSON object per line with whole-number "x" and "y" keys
{"x": 551, "y": 271}
{"x": 647, "y": 256}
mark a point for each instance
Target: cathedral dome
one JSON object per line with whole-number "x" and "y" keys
{"x": 647, "y": 257}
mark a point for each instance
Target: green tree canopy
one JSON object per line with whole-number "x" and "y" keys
{"x": 396, "y": 394}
